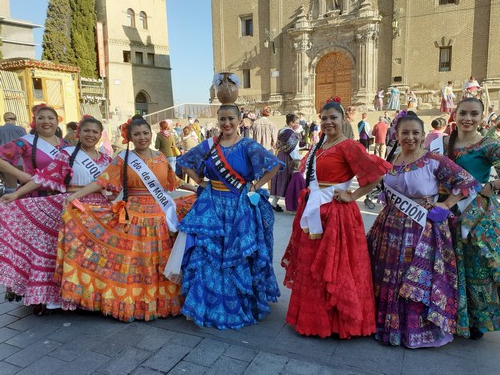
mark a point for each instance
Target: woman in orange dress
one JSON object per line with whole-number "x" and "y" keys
{"x": 326, "y": 261}
{"x": 113, "y": 260}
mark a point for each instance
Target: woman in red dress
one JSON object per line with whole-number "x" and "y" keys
{"x": 327, "y": 263}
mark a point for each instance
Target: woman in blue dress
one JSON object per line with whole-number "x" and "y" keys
{"x": 228, "y": 278}
{"x": 394, "y": 102}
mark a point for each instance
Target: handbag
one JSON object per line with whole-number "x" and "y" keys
{"x": 371, "y": 140}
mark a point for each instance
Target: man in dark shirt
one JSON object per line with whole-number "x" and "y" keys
{"x": 9, "y": 132}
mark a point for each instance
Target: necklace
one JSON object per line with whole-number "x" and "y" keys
{"x": 144, "y": 158}
{"x": 91, "y": 152}
{"x": 462, "y": 150}
{"x": 332, "y": 143}
{"x": 398, "y": 169}
{"x": 232, "y": 145}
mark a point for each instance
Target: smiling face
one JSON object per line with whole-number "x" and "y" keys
{"x": 229, "y": 120}
{"x": 469, "y": 116}
{"x": 46, "y": 123}
{"x": 331, "y": 123}
{"x": 410, "y": 135}
{"x": 140, "y": 135}
{"x": 90, "y": 134}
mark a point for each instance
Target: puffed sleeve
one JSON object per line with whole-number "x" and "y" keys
{"x": 492, "y": 153}
{"x": 193, "y": 158}
{"x": 12, "y": 152}
{"x": 53, "y": 175}
{"x": 454, "y": 178}
{"x": 261, "y": 160}
{"x": 112, "y": 179}
{"x": 367, "y": 167}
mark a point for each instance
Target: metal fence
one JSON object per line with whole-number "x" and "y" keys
{"x": 184, "y": 110}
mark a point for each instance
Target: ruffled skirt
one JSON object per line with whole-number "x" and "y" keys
{"x": 415, "y": 280}
{"x": 105, "y": 264}
{"x": 28, "y": 246}
{"x": 478, "y": 259}
{"x": 228, "y": 277}
{"x": 330, "y": 278}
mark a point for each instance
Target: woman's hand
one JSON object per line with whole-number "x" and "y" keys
{"x": 68, "y": 199}
{"x": 342, "y": 196}
{"x": 8, "y": 198}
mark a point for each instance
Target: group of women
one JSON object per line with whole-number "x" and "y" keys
{"x": 429, "y": 266}
{"x": 428, "y": 269}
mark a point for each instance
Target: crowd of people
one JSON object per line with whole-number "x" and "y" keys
{"x": 80, "y": 229}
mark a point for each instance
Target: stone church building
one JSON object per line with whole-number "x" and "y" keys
{"x": 295, "y": 54}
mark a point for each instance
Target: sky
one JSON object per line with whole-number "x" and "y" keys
{"x": 190, "y": 38}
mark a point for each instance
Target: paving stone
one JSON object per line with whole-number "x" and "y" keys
{"x": 84, "y": 365}
{"x": 6, "y": 319}
{"x": 31, "y": 336}
{"x": 227, "y": 366}
{"x": 79, "y": 346}
{"x": 188, "y": 368}
{"x": 290, "y": 341}
{"x": 44, "y": 366}
{"x": 364, "y": 353}
{"x": 266, "y": 364}
{"x": 190, "y": 341}
{"x": 23, "y": 324}
{"x": 8, "y": 369}
{"x": 207, "y": 352}
{"x": 7, "y": 350}
{"x": 167, "y": 357}
{"x": 102, "y": 327}
{"x": 295, "y": 367}
{"x": 32, "y": 353}
{"x": 7, "y": 333}
{"x": 114, "y": 344}
{"x": 68, "y": 333}
{"x": 7, "y": 307}
{"x": 22, "y": 311}
{"x": 125, "y": 362}
{"x": 147, "y": 371}
{"x": 155, "y": 339}
{"x": 241, "y": 353}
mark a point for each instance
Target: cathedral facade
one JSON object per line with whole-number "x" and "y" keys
{"x": 296, "y": 54}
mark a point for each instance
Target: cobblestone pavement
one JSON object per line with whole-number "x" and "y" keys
{"x": 77, "y": 343}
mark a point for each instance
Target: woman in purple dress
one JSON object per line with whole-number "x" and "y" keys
{"x": 287, "y": 146}
{"x": 413, "y": 261}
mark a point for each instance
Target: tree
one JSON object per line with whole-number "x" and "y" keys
{"x": 70, "y": 35}
{"x": 83, "y": 23}
{"x": 57, "y": 36}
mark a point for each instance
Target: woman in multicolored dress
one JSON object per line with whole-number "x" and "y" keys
{"x": 228, "y": 276}
{"x": 287, "y": 146}
{"x": 413, "y": 262}
{"x": 35, "y": 151}
{"x": 326, "y": 261}
{"x": 112, "y": 259}
{"x": 478, "y": 229}
{"x": 29, "y": 226}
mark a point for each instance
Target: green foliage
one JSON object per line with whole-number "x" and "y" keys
{"x": 70, "y": 35}
{"x": 83, "y": 24}
{"x": 57, "y": 36}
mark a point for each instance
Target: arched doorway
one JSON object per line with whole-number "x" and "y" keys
{"x": 333, "y": 78}
{"x": 141, "y": 103}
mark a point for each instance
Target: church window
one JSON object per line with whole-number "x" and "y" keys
{"x": 130, "y": 17}
{"x": 444, "y": 59}
{"x": 444, "y": 2}
{"x": 246, "y": 25}
{"x": 143, "y": 19}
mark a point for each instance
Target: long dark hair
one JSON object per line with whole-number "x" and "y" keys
{"x": 454, "y": 133}
{"x": 33, "y": 131}
{"x": 72, "y": 157}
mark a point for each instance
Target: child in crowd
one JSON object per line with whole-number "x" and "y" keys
{"x": 297, "y": 183}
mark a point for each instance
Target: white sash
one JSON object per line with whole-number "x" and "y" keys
{"x": 85, "y": 161}
{"x": 407, "y": 206}
{"x": 149, "y": 179}
{"x": 42, "y": 145}
{"x": 437, "y": 145}
{"x": 311, "y": 218}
